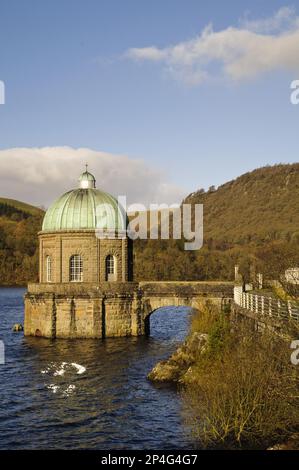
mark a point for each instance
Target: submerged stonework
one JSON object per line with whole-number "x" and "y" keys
{"x": 86, "y": 287}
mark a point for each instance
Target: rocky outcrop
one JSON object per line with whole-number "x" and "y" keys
{"x": 17, "y": 327}
{"x": 291, "y": 444}
{"x": 177, "y": 368}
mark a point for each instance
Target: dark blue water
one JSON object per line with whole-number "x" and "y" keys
{"x": 46, "y": 402}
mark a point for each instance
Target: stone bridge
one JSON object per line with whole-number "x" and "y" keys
{"x": 82, "y": 310}
{"x": 155, "y": 295}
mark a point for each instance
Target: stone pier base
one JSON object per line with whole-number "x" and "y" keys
{"x": 72, "y": 311}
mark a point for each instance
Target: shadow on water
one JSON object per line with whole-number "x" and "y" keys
{"x": 88, "y": 393}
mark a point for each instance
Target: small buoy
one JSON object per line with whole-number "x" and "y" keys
{"x": 17, "y": 327}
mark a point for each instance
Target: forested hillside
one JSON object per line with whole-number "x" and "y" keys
{"x": 19, "y": 224}
{"x": 259, "y": 206}
{"x": 252, "y": 221}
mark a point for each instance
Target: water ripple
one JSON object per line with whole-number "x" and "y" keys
{"x": 87, "y": 394}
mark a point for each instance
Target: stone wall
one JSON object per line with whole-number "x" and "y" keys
{"x": 86, "y": 310}
{"x": 60, "y": 246}
{"x": 40, "y": 315}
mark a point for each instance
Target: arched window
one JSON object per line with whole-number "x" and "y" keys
{"x": 110, "y": 268}
{"x": 76, "y": 268}
{"x": 49, "y": 268}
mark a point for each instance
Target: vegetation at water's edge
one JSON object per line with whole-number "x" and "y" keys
{"x": 242, "y": 390}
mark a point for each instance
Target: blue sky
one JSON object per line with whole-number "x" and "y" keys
{"x": 70, "y": 81}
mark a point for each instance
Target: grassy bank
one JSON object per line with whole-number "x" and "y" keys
{"x": 242, "y": 390}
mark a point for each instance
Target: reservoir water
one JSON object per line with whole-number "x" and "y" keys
{"x": 88, "y": 394}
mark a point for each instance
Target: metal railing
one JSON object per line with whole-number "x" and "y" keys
{"x": 266, "y": 305}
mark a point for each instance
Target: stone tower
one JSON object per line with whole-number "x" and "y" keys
{"x": 84, "y": 238}
{"x": 85, "y": 284}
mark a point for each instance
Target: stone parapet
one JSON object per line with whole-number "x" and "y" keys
{"x": 187, "y": 288}
{"x": 82, "y": 288}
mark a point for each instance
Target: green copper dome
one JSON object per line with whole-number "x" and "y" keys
{"x": 85, "y": 208}
{"x": 87, "y": 180}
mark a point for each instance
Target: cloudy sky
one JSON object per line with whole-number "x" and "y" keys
{"x": 159, "y": 97}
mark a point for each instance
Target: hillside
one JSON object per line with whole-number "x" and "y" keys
{"x": 19, "y": 224}
{"x": 21, "y": 206}
{"x": 251, "y": 221}
{"x": 258, "y": 206}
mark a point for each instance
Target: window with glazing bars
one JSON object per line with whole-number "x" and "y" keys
{"x": 110, "y": 264}
{"x": 76, "y": 269}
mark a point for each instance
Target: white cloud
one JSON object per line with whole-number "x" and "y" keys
{"x": 40, "y": 175}
{"x": 237, "y": 53}
{"x": 284, "y": 18}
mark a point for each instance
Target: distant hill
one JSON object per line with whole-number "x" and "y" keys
{"x": 22, "y": 206}
{"x": 259, "y": 206}
{"x": 19, "y": 224}
{"x": 252, "y": 221}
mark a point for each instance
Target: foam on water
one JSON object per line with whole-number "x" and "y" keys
{"x": 80, "y": 369}
{"x": 60, "y": 371}
{"x": 70, "y": 389}
{"x": 54, "y": 388}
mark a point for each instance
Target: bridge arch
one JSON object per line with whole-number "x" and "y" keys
{"x": 153, "y": 304}
{"x": 169, "y": 322}
{"x": 195, "y": 295}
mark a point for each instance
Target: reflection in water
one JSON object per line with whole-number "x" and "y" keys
{"x": 88, "y": 393}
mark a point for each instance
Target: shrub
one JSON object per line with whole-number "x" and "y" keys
{"x": 214, "y": 322}
{"x": 244, "y": 393}
{"x": 204, "y": 319}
